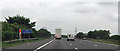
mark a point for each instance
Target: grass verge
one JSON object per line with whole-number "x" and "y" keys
{"x": 106, "y": 41}
{"x": 6, "y": 45}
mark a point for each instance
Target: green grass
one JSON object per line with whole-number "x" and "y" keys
{"x": 6, "y": 45}
{"x": 105, "y": 41}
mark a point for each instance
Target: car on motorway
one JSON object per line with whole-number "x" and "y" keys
{"x": 70, "y": 37}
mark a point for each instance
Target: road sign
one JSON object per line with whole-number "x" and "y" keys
{"x": 26, "y": 31}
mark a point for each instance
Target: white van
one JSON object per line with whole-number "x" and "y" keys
{"x": 70, "y": 37}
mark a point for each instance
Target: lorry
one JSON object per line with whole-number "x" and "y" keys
{"x": 70, "y": 37}
{"x": 57, "y": 33}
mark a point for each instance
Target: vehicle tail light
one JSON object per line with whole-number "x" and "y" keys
{"x": 55, "y": 36}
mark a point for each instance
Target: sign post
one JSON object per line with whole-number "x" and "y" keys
{"x": 27, "y": 32}
{"x": 20, "y": 35}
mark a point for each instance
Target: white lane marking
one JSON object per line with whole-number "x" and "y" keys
{"x": 70, "y": 44}
{"x": 44, "y": 45}
{"x": 95, "y": 45}
{"x": 76, "y": 48}
{"x": 28, "y": 43}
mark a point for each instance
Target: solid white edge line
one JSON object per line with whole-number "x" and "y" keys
{"x": 44, "y": 45}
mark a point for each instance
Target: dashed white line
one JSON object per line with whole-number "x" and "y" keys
{"x": 44, "y": 45}
{"x": 95, "y": 45}
{"x": 76, "y": 48}
{"x": 70, "y": 44}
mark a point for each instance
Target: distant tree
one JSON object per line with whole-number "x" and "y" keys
{"x": 10, "y": 27}
{"x": 103, "y": 34}
{"x": 20, "y": 20}
{"x": 80, "y": 35}
{"x": 115, "y": 37}
{"x": 52, "y": 35}
{"x": 98, "y": 34}
{"x": 90, "y": 34}
{"x": 43, "y": 33}
{"x": 7, "y": 35}
{"x": 34, "y": 32}
{"x": 64, "y": 36}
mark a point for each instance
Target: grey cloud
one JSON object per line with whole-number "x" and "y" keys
{"x": 86, "y": 10}
{"x": 108, "y": 3}
{"x": 67, "y": 15}
{"x": 79, "y": 3}
{"x": 53, "y": 21}
{"x": 111, "y": 18}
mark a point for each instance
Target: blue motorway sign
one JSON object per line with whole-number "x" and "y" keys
{"x": 26, "y": 31}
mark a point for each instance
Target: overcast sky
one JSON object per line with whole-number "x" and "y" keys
{"x": 86, "y": 15}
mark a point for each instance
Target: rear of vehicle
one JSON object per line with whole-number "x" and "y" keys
{"x": 57, "y": 36}
{"x": 57, "y": 33}
{"x": 84, "y": 38}
{"x": 70, "y": 37}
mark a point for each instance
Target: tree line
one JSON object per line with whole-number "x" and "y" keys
{"x": 10, "y": 28}
{"x": 98, "y": 34}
